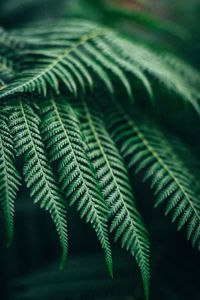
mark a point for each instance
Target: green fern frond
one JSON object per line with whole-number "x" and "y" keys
{"x": 37, "y": 172}
{"x": 121, "y": 61}
{"x": 154, "y": 64}
{"x": 115, "y": 186}
{"x": 73, "y": 52}
{"x": 68, "y": 66}
{"x": 62, "y": 134}
{"x": 77, "y": 60}
{"x": 9, "y": 177}
{"x": 147, "y": 148}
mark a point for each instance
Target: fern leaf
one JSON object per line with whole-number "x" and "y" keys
{"x": 158, "y": 67}
{"x": 9, "y": 177}
{"x": 115, "y": 186}
{"x": 64, "y": 141}
{"x": 37, "y": 172}
{"x": 111, "y": 66}
{"x": 74, "y": 52}
{"x": 121, "y": 61}
{"x": 58, "y": 66}
{"x": 147, "y": 148}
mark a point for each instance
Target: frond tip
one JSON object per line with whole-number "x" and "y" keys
{"x": 114, "y": 183}
{"x": 37, "y": 172}
{"x": 9, "y": 177}
{"x": 64, "y": 140}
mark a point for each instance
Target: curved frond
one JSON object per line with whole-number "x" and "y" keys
{"x": 113, "y": 179}
{"x": 147, "y": 148}
{"x": 155, "y": 65}
{"x": 73, "y": 53}
{"x": 65, "y": 63}
{"x": 9, "y": 177}
{"x": 62, "y": 134}
{"x": 37, "y": 172}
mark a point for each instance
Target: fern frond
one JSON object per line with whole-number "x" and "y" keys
{"x": 74, "y": 52}
{"x": 68, "y": 66}
{"x": 62, "y": 134}
{"x": 121, "y": 61}
{"x": 147, "y": 148}
{"x": 154, "y": 64}
{"x": 9, "y": 177}
{"x": 115, "y": 186}
{"x": 37, "y": 172}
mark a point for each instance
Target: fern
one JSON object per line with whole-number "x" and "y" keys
{"x": 50, "y": 69}
{"x": 149, "y": 62}
{"x": 9, "y": 177}
{"x": 115, "y": 186}
{"x": 37, "y": 172}
{"x": 48, "y": 73}
{"x": 79, "y": 49}
{"x": 64, "y": 141}
{"x": 146, "y": 147}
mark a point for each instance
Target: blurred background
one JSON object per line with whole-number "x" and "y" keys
{"x": 30, "y": 267}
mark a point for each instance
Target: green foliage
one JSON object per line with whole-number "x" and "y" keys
{"x": 49, "y": 72}
{"x": 64, "y": 140}
{"x": 116, "y": 189}
{"x": 9, "y": 177}
{"x": 147, "y": 148}
{"x": 6, "y": 70}
{"x": 37, "y": 172}
{"x": 88, "y": 47}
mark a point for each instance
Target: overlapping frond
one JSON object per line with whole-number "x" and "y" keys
{"x": 9, "y": 177}
{"x": 72, "y": 52}
{"x": 147, "y": 148}
{"x": 62, "y": 134}
{"x": 37, "y": 172}
{"x": 80, "y": 59}
{"x": 113, "y": 179}
{"x": 65, "y": 63}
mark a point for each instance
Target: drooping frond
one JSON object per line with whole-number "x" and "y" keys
{"x": 37, "y": 172}
{"x": 62, "y": 134}
{"x": 73, "y": 53}
{"x": 147, "y": 148}
{"x": 115, "y": 185}
{"x": 155, "y": 65}
{"x": 9, "y": 177}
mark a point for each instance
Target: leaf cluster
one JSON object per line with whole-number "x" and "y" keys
{"x": 51, "y": 78}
